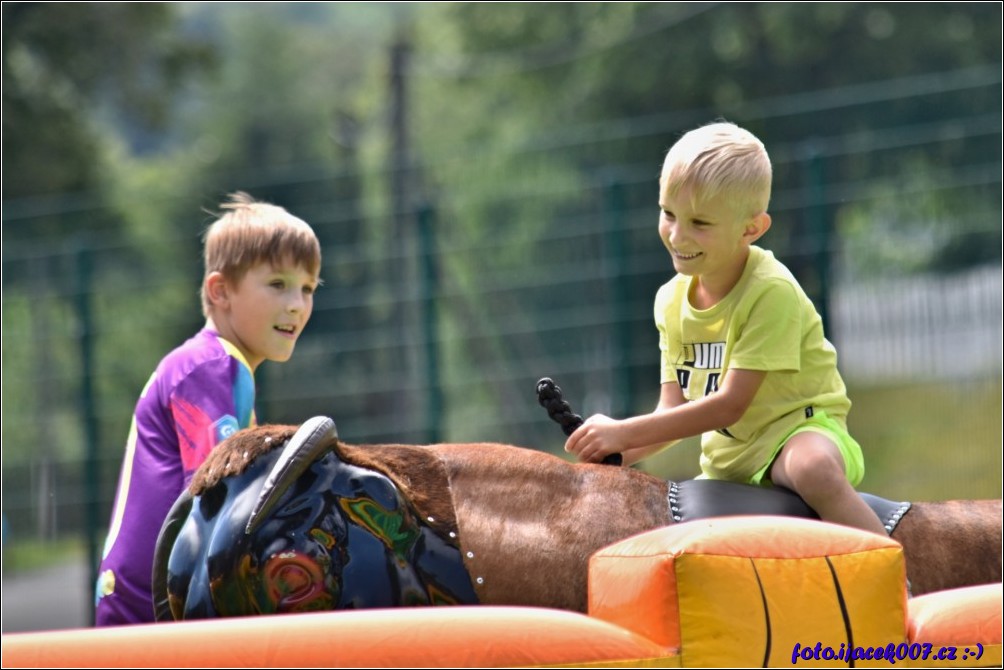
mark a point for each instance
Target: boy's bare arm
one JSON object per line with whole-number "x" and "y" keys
{"x": 670, "y": 396}
{"x": 673, "y": 420}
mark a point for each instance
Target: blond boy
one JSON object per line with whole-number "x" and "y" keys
{"x": 262, "y": 267}
{"x": 745, "y": 363}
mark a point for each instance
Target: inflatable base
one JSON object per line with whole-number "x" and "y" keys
{"x": 731, "y": 592}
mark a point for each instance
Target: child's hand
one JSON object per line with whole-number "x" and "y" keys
{"x": 596, "y": 439}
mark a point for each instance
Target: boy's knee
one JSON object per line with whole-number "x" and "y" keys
{"x": 826, "y": 480}
{"x": 811, "y": 466}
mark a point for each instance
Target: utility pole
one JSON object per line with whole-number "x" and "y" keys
{"x": 400, "y": 270}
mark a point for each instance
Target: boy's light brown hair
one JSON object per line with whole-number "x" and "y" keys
{"x": 720, "y": 161}
{"x": 249, "y": 232}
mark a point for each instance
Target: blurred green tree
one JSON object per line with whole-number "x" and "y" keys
{"x": 68, "y": 67}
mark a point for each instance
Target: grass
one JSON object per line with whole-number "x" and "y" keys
{"x": 23, "y": 555}
{"x": 930, "y": 442}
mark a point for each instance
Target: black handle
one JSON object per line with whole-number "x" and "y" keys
{"x": 549, "y": 397}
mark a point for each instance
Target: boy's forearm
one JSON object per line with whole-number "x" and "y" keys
{"x": 653, "y": 432}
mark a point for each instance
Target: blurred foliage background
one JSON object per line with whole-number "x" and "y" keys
{"x": 483, "y": 180}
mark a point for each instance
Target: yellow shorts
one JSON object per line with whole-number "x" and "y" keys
{"x": 836, "y": 431}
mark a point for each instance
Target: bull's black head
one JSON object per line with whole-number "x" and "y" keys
{"x": 302, "y": 530}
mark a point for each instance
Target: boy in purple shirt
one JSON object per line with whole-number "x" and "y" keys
{"x": 262, "y": 267}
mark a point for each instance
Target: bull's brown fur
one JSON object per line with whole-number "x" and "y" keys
{"x": 532, "y": 520}
{"x": 952, "y": 543}
{"x": 528, "y": 521}
{"x": 233, "y": 456}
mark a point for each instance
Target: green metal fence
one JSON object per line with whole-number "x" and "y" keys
{"x": 440, "y": 329}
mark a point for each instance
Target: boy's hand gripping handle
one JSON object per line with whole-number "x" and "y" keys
{"x": 549, "y": 397}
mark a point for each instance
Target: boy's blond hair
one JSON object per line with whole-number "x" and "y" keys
{"x": 723, "y": 161}
{"x": 249, "y": 232}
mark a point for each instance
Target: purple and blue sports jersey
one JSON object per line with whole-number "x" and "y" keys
{"x": 200, "y": 393}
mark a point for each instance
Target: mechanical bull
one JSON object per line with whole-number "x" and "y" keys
{"x": 321, "y": 525}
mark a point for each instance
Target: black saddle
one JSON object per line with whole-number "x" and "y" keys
{"x": 705, "y": 498}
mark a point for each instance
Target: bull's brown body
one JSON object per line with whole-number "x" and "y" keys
{"x": 527, "y": 521}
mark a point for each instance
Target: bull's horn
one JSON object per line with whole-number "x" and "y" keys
{"x": 312, "y": 439}
{"x": 162, "y": 554}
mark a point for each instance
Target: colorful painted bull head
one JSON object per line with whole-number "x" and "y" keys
{"x": 301, "y": 530}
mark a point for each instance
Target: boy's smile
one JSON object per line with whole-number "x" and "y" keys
{"x": 682, "y": 257}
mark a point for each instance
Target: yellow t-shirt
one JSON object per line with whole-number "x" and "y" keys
{"x": 765, "y": 323}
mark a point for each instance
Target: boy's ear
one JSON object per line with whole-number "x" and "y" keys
{"x": 217, "y": 290}
{"x": 756, "y": 228}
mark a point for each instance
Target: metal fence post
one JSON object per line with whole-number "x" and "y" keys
{"x": 618, "y": 280}
{"x": 820, "y": 234}
{"x": 88, "y": 407}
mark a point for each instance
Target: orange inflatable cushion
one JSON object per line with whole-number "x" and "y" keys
{"x": 960, "y": 618}
{"x": 752, "y": 590}
{"x": 405, "y": 637}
